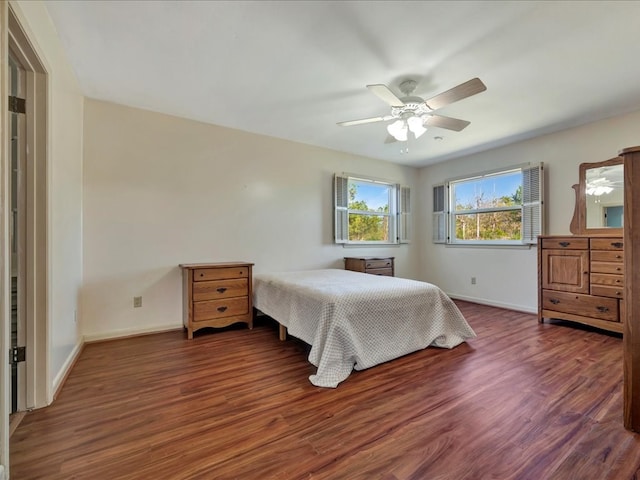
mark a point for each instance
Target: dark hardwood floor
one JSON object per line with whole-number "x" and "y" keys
{"x": 521, "y": 401}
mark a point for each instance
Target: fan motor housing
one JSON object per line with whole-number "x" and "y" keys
{"x": 412, "y": 106}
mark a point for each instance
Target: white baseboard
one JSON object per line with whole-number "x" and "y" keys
{"x": 1, "y": 472}
{"x": 64, "y": 371}
{"x": 130, "y": 332}
{"x": 482, "y": 301}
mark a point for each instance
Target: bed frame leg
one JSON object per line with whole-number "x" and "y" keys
{"x": 282, "y": 332}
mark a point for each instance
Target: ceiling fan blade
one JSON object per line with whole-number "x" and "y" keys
{"x": 390, "y": 139}
{"x": 446, "y": 122}
{"x": 364, "y": 120}
{"x": 463, "y": 90}
{"x": 386, "y": 95}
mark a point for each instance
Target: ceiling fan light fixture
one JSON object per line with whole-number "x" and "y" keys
{"x": 398, "y": 130}
{"x": 599, "y": 186}
{"x": 599, "y": 190}
{"x": 416, "y": 125}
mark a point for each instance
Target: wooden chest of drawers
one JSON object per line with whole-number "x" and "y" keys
{"x": 373, "y": 265}
{"x": 216, "y": 295}
{"x": 581, "y": 279}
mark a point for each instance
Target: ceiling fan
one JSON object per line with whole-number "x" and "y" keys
{"x": 413, "y": 114}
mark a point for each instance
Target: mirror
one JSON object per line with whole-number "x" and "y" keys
{"x": 604, "y": 196}
{"x": 600, "y": 198}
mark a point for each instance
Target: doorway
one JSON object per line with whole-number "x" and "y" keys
{"x": 17, "y": 196}
{"x": 24, "y": 270}
{"x": 26, "y": 167}
{"x": 613, "y": 216}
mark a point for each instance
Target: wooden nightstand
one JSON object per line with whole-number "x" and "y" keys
{"x": 373, "y": 265}
{"x": 216, "y": 295}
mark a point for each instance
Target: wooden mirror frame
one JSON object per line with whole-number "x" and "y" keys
{"x": 578, "y": 224}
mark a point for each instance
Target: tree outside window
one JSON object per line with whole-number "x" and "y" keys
{"x": 369, "y": 215}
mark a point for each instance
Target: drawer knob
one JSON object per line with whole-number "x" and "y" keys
{"x": 222, "y": 309}
{"x": 555, "y": 301}
{"x": 618, "y": 281}
{"x": 603, "y": 309}
{"x": 564, "y": 244}
{"x": 618, "y": 256}
{"x": 368, "y": 265}
{"x": 617, "y": 244}
{"x": 618, "y": 268}
{"x": 202, "y": 274}
{"x": 221, "y": 289}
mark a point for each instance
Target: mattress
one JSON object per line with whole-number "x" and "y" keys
{"x": 355, "y": 320}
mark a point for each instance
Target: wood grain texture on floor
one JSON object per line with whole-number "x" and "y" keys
{"x": 521, "y": 401}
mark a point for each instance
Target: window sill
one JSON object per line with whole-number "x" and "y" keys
{"x": 489, "y": 245}
{"x": 370, "y": 245}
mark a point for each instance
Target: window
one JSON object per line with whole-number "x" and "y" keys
{"x": 369, "y": 211}
{"x": 493, "y": 208}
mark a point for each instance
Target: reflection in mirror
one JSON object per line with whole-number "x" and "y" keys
{"x": 604, "y": 196}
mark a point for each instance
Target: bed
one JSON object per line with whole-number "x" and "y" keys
{"x": 355, "y": 320}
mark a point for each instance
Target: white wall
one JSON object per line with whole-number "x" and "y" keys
{"x": 161, "y": 190}
{"x": 508, "y": 277}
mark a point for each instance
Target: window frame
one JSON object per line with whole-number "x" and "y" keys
{"x": 398, "y": 215}
{"x": 531, "y": 208}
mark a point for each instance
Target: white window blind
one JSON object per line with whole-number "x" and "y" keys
{"x": 532, "y": 206}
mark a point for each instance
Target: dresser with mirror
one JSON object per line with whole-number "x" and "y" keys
{"x": 581, "y": 276}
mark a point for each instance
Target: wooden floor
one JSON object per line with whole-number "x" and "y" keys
{"x": 521, "y": 401}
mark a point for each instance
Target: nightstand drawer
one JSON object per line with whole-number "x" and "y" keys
{"x": 386, "y": 272}
{"x": 372, "y": 265}
{"x": 216, "y": 289}
{"x": 204, "y": 274}
{"x": 378, "y": 263}
{"x": 220, "y": 308}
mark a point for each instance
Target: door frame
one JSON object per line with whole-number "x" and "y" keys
{"x": 36, "y": 212}
{"x": 38, "y": 387}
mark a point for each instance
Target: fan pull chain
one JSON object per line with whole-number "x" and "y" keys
{"x": 405, "y": 150}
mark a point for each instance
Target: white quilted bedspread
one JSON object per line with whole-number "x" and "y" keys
{"x": 357, "y": 320}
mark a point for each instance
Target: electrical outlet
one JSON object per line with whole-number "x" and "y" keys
{"x": 137, "y": 302}
{"x": 473, "y": 280}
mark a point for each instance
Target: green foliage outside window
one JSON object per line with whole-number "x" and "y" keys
{"x": 488, "y": 222}
{"x": 366, "y": 223}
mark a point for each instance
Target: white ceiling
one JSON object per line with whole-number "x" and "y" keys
{"x": 292, "y": 69}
